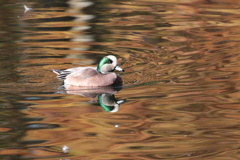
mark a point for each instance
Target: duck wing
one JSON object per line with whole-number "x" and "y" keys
{"x": 80, "y": 72}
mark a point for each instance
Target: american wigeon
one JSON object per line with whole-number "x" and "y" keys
{"x": 109, "y": 102}
{"x": 102, "y": 75}
{"x": 104, "y": 95}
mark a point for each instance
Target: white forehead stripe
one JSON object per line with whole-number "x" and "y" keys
{"x": 113, "y": 58}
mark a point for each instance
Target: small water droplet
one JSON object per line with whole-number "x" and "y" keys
{"x": 65, "y": 149}
{"x": 26, "y": 8}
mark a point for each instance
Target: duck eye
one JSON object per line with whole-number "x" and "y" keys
{"x": 110, "y": 61}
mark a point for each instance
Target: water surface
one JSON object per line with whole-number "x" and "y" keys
{"x": 180, "y": 95}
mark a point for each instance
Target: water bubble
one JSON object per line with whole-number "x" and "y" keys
{"x": 65, "y": 149}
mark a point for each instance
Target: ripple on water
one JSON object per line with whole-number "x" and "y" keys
{"x": 181, "y": 83}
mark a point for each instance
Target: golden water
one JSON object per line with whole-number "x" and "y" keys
{"x": 181, "y": 80}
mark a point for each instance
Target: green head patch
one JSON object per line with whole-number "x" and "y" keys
{"x": 106, "y": 108}
{"x": 102, "y": 62}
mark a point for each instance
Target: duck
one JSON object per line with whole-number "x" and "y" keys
{"x": 109, "y": 103}
{"x": 104, "y": 96}
{"x": 102, "y": 75}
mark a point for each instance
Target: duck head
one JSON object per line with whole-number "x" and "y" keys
{"x": 108, "y": 64}
{"x": 109, "y": 102}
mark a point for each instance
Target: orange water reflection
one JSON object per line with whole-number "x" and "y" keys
{"x": 181, "y": 85}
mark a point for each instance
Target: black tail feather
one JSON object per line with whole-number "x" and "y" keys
{"x": 56, "y": 71}
{"x": 61, "y": 74}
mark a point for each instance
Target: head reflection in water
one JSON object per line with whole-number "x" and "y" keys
{"x": 108, "y": 102}
{"x": 103, "y": 95}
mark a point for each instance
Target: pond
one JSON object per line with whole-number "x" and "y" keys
{"x": 180, "y": 95}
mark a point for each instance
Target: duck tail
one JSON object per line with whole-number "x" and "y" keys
{"x": 61, "y": 74}
{"x": 56, "y": 71}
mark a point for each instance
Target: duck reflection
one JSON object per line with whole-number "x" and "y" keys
{"x": 102, "y": 95}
